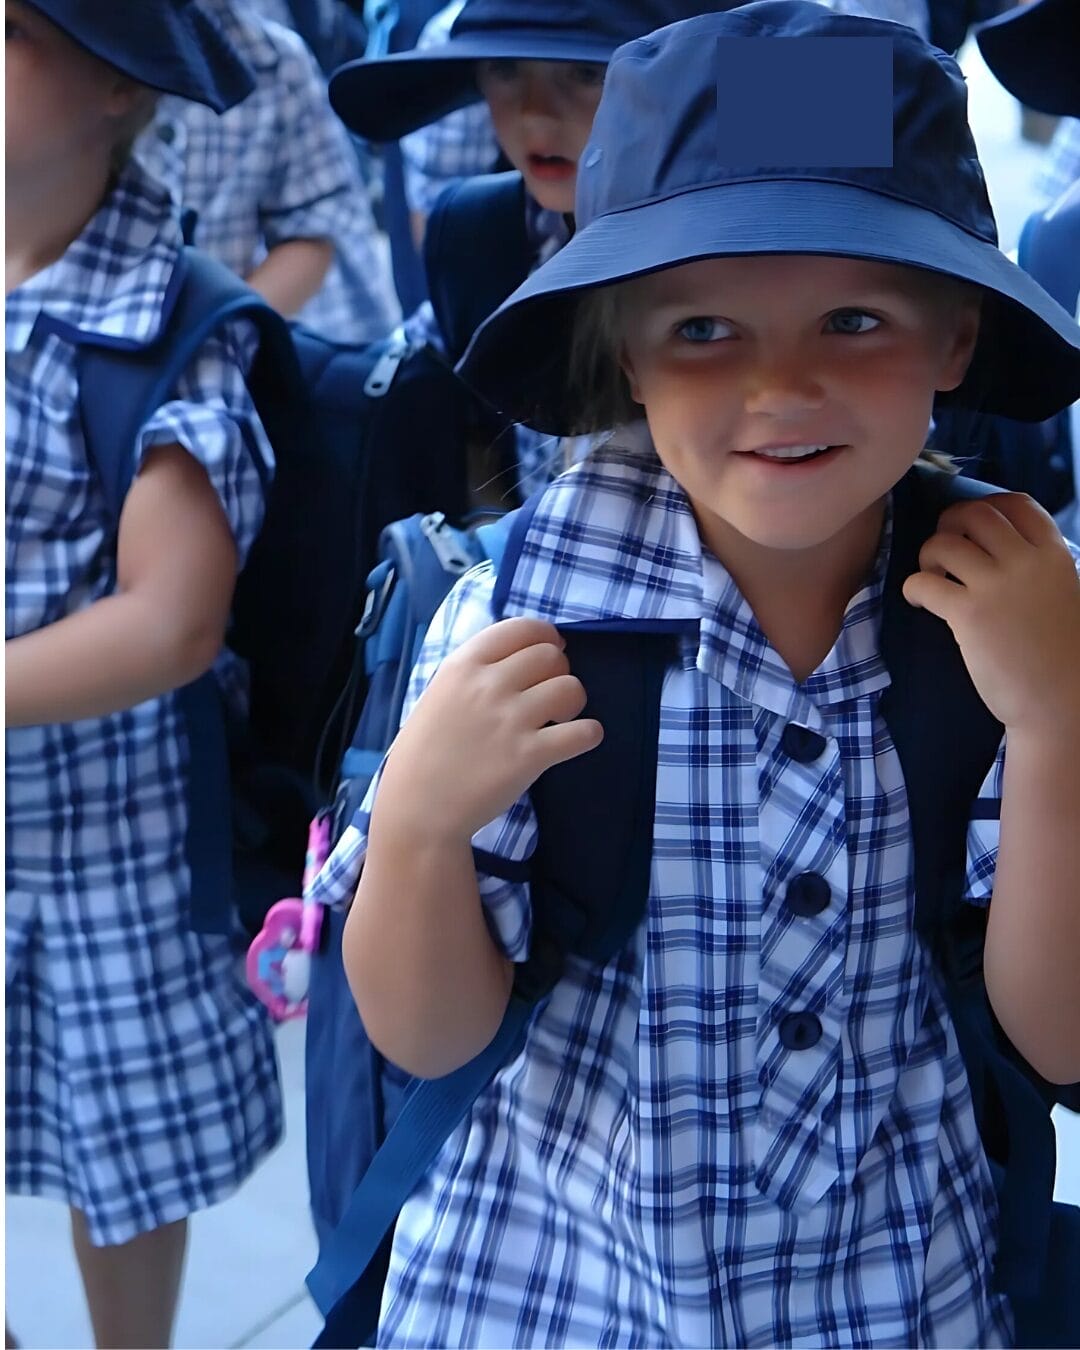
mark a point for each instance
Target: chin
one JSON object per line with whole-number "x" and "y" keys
{"x": 551, "y": 198}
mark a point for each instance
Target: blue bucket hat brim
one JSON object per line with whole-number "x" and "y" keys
{"x": 1027, "y": 359}
{"x": 171, "y": 46}
{"x": 1034, "y": 51}
{"x": 384, "y": 99}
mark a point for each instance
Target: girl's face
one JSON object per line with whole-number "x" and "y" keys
{"x": 788, "y": 394}
{"x": 62, "y": 103}
{"x": 543, "y": 113}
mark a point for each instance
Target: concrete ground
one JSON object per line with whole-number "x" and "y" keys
{"x": 248, "y": 1257}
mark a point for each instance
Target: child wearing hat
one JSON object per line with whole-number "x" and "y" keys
{"x": 538, "y": 66}
{"x": 141, "y": 1080}
{"x": 754, "y": 1125}
{"x": 276, "y": 186}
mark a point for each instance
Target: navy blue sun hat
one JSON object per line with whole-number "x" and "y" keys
{"x": 1034, "y": 50}
{"x": 862, "y": 130}
{"x": 168, "y": 45}
{"x": 384, "y": 99}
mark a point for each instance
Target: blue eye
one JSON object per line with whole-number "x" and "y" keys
{"x": 702, "y": 329}
{"x": 851, "y": 322}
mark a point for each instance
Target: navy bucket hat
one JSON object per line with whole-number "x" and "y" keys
{"x": 168, "y": 45}
{"x": 384, "y": 99}
{"x": 673, "y": 173}
{"x": 1034, "y": 50}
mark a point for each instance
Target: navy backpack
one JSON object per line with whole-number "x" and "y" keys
{"x": 373, "y": 1132}
{"x": 362, "y": 434}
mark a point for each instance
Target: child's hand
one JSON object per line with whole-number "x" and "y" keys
{"x": 1012, "y": 600}
{"x": 498, "y": 712}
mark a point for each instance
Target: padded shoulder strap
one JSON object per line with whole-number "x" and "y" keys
{"x": 119, "y": 390}
{"x": 944, "y": 734}
{"x": 476, "y": 251}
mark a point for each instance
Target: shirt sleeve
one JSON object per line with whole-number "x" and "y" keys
{"x": 317, "y": 184}
{"x": 214, "y": 419}
{"x": 504, "y": 845}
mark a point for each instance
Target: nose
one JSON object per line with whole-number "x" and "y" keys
{"x": 783, "y": 385}
{"x": 538, "y": 97}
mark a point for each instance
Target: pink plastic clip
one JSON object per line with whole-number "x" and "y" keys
{"x": 279, "y": 960}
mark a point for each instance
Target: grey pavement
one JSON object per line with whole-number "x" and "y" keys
{"x": 244, "y": 1281}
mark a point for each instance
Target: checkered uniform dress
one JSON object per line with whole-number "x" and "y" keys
{"x": 141, "y": 1073}
{"x": 753, "y": 1126}
{"x": 278, "y": 166}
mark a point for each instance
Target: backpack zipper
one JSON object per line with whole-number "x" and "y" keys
{"x": 385, "y": 369}
{"x": 443, "y": 540}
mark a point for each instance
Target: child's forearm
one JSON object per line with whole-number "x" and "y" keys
{"x": 114, "y": 654}
{"x": 291, "y": 273}
{"x": 429, "y": 982}
{"x": 1033, "y": 936}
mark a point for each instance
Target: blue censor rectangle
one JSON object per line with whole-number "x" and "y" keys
{"x": 805, "y": 102}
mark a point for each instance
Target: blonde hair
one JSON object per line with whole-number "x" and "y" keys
{"x": 598, "y": 385}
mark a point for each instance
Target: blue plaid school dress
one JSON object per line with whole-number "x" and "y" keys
{"x": 141, "y": 1073}
{"x": 278, "y": 166}
{"x": 753, "y": 1127}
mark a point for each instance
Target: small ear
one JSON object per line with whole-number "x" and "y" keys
{"x": 124, "y": 97}
{"x": 627, "y": 367}
{"x": 967, "y": 319}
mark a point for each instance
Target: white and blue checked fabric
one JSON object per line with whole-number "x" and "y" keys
{"x": 141, "y": 1073}
{"x": 460, "y": 145}
{"x": 278, "y": 166}
{"x": 656, "y": 1168}
{"x": 1060, "y": 168}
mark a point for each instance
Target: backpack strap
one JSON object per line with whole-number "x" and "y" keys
{"x": 608, "y": 795}
{"x": 476, "y": 252}
{"x": 947, "y": 740}
{"x": 119, "y": 390}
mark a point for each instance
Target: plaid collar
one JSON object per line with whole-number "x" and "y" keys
{"x": 113, "y": 284}
{"x": 614, "y": 542}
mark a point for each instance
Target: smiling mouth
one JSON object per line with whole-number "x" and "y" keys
{"x": 792, "y": 454}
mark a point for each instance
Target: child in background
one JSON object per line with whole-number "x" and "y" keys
{"x": 539, "y": 67}
{"x": 276, "y": 186}
{"x": 141, "y": 1080}
{"x": 754, "y": 1125}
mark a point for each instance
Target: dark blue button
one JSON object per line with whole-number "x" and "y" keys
{"x": 167, "y": 133}
{"x": 800, "y": 1031}
{"x": 802, "y": 744}
{"x": 808, "y": 894}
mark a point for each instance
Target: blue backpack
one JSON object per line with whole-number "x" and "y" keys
{"x": 373, "y": 1132}
{"x": 362, "y": 434}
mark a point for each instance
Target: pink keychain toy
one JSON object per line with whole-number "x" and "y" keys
{"x": 279, "y": 960}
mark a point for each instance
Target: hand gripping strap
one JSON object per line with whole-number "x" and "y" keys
{"x": 586, "y": 900}
{"x": 946, "y": 740}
